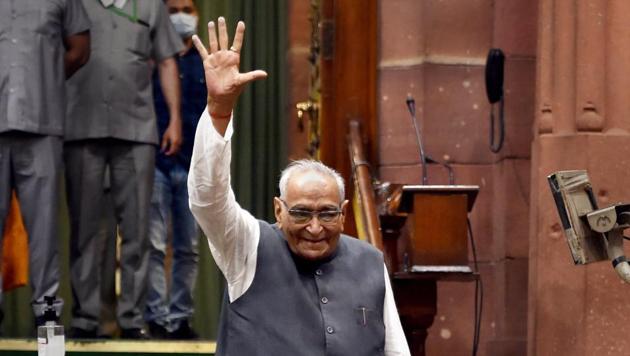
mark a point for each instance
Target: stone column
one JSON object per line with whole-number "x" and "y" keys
{"x": 582, "y": 121}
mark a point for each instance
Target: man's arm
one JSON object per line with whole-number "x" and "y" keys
{"x": 231, "y": 231}
{"x": 77, "y": 52}
{"x": 395, "y": 341}
{"x": 169, "y": 81}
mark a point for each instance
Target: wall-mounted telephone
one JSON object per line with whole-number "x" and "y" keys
{"x": 494, "y": 90}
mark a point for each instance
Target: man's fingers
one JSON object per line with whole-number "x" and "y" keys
{"x": 200, "y": 47}
{"x": 212, "y": 37}
{"x": 173, "y": 149}
{"x": 238, "y": 37}
{"x": 170, "y": 145}
{"x": 223, "y": 35}
{"x": 244, "y": 78}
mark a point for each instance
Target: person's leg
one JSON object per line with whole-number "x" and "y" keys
{"x": 36, "y": 171}
{"x": 5, "y": 193}
{"x": 132, "y": 169}
{"x": 107, "y": 237}
{"x": 185, "y": 257}
{"x": 156, "y": 311}
{"x": 85, "y": 166}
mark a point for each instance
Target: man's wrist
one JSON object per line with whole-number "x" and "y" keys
{"x": 218, "y": 116}
{"x": 174, "y": 119}
{"x": 219, "y": 110}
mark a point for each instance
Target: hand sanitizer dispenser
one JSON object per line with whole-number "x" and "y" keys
{"x": 50, "y": 338}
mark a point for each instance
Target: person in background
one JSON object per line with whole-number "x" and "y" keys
{"x": 299, "y": 286}
{"x": 169, "y": 309}
{"x": 111, "y": 123}
{"x": 42, "y": 43}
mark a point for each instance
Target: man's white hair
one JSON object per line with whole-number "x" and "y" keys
{"x": 306, "y": 165}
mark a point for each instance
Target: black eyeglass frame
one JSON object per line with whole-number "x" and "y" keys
{"x": 299, "y": 216}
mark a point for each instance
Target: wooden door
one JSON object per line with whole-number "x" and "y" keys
{"x": 342, "y": 85}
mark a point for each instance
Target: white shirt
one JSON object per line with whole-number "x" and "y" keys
{"x": 233, "y": 233}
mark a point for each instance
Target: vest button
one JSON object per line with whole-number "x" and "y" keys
{"x": 319, "y": 272}
{"x": 330, "y": 330}
{"x": 324, "y": 300}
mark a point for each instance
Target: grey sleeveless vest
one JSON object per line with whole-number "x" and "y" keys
{"x": 332, "y": 307}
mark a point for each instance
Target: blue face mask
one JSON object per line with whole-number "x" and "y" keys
{"x": 185, "y": 24}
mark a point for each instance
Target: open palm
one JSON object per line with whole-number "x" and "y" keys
{"x": 223, "y": 79}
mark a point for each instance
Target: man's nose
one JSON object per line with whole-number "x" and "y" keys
{"x": 314, "y": 226}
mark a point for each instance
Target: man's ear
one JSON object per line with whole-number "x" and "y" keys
{"x": 344, "y": 206}
{"x": 277, "y": 210}
{"x": 344, "y": 209}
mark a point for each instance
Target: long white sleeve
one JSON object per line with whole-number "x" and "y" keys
{"x": 395, "y": 341}
{"x": 232, "y": 232}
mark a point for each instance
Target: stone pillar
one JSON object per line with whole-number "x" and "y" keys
{"x": 582, "y": 121}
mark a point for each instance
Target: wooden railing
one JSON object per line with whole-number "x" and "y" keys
{"x": 366, "y": 215}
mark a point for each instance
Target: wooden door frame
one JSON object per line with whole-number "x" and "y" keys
{"x": 348, "y": 72}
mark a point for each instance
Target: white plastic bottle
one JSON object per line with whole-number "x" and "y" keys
{"x": 50, "y": 338}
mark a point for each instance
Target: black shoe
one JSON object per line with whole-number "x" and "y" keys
{"x": 157, "y": 331}
{"x": 78, "y": 333}
{"x": 135, "y": 333}
{"x": 184, "y": 332}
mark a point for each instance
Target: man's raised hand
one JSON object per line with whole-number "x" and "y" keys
{"x": 223, "y": 79}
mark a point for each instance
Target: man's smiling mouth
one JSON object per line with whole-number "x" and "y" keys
{"x": 314, "y": 241}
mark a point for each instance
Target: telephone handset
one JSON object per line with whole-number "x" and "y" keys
{"x": 494, "y": 90}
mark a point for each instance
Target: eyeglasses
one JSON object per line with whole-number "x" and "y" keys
{"x": 300, "y": 216}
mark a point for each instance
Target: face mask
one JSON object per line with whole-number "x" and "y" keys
{"x": 185, "y": 24}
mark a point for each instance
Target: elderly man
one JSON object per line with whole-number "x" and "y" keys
{"x": 297, "y": 287}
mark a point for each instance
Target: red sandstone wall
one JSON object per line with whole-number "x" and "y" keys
{"x": 435, "y": 50}
{"x": 582, "y": 122}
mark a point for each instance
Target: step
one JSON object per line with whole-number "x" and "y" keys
{"x": 113, "y": 347}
